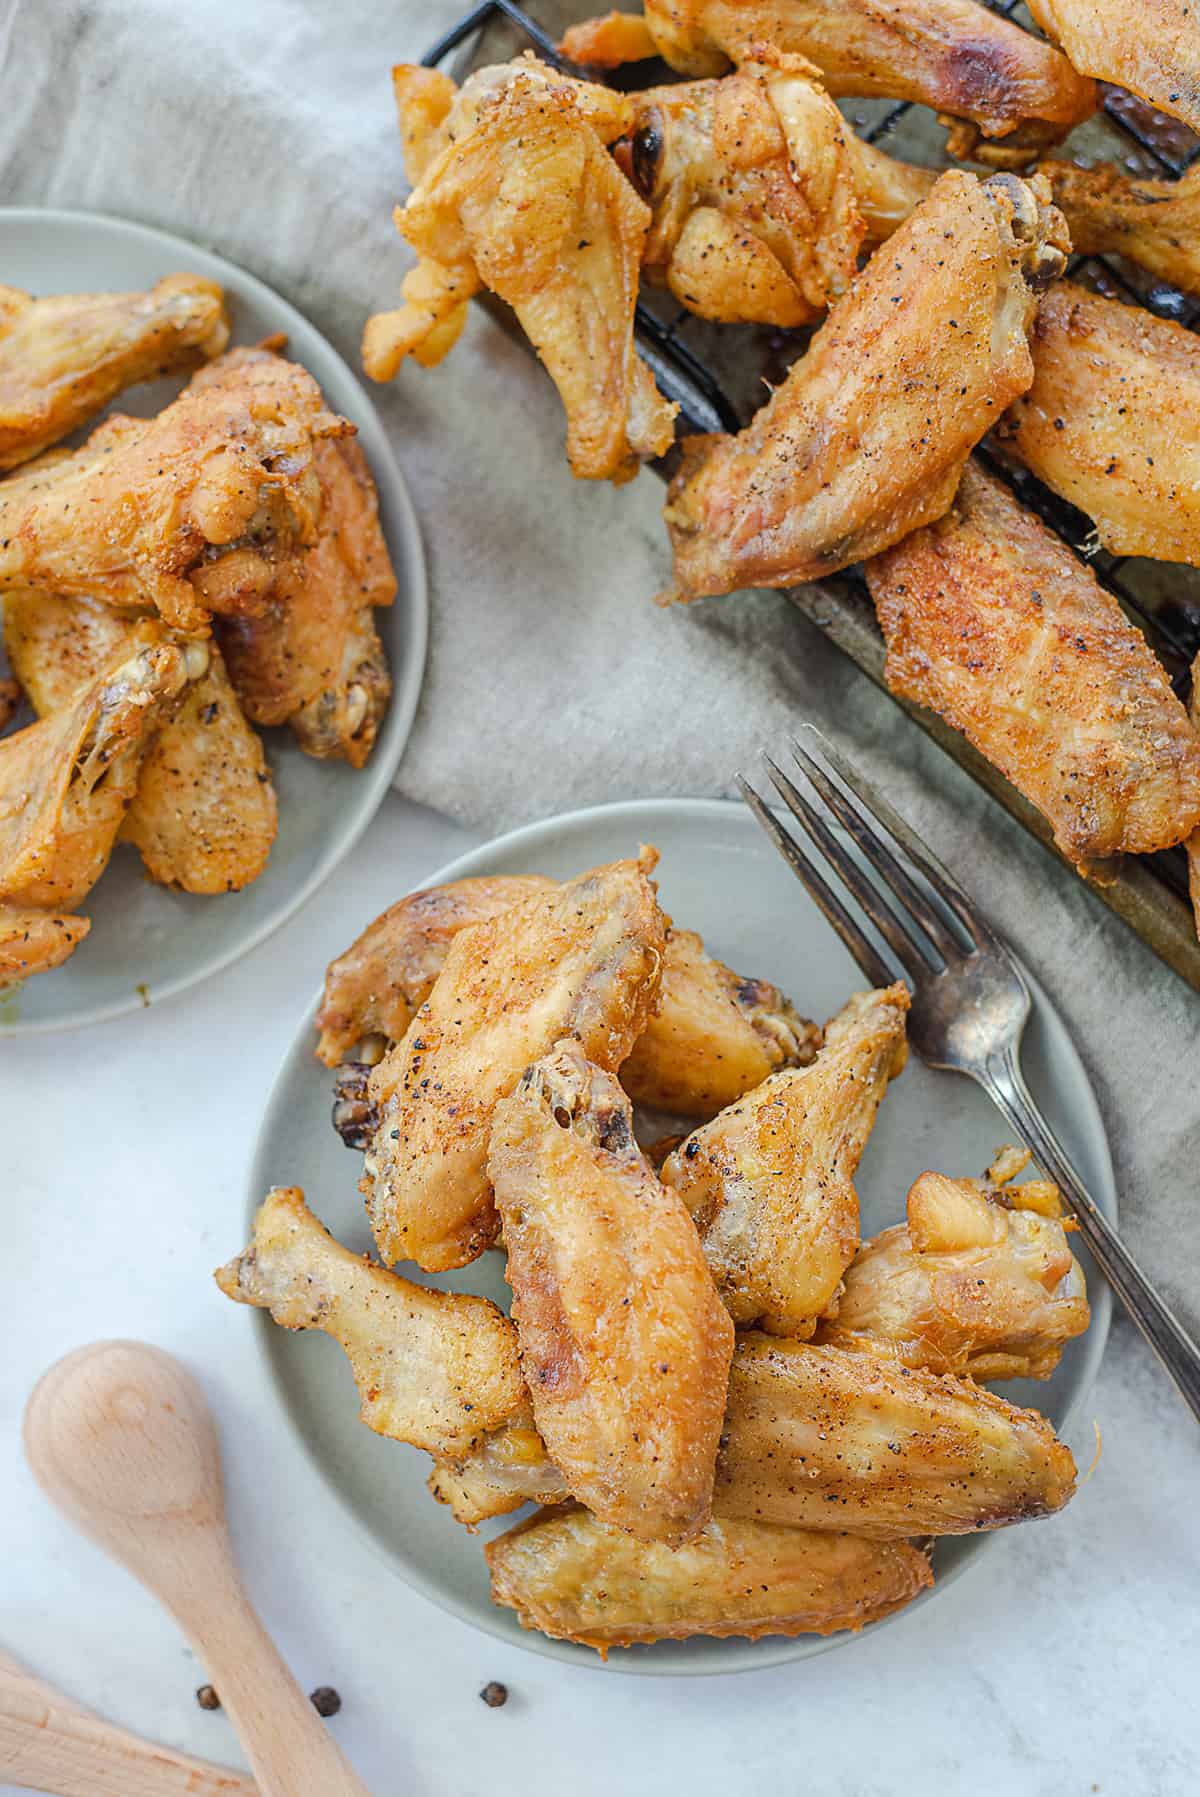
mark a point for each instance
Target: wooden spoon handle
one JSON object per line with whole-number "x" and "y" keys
{"x": 49, "y": 1743}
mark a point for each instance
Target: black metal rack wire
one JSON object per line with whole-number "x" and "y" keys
{"x": 717, "y": 376}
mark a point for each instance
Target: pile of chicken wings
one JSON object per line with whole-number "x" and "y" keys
{"x": 168, "y": 585}
{"x": 942, "y": 318}
{"x": 737, "y": 1417}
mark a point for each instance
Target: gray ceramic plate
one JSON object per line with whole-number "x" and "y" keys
{"x": 718, "y": 874}
{"x": 147, "y": 943}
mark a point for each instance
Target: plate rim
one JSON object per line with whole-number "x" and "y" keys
{"x": 772, "y": 1650}
{"x": 407, "y": 683}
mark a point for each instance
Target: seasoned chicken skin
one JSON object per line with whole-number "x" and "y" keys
{"x": 204, "y": 814}
{"x": 64, "y": 357}
{"x": 821, "y": 1438}
{"x": 189, "y": 512}
{"x": 953, "y": 55}
{"x": 525, "y": 200}
{"x": 867, "y": 437}
{"x": 770, "y": 1182}
{"x": 1153, "y": 48}
{"x": 33, "y": 941}
{"x": 979, "y": 1282}
{"x": 625, "y": 1344}
{"x": 1154, "y": 223}
{"x": 999, "y": 628}
{"x": 1107, "y": 422}
{"x": 435, "y": 1369}
{"x": 578, "y": 1579}
{"x": 582, "y": 960}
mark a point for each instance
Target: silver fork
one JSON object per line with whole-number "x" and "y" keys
{"x": 970, "y": 996}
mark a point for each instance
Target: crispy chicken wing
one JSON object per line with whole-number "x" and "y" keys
{"x": 578, "y": 1579}
{"x": 204, "y": 815}
{"x": 435, "y": 1369}
{"x": 64, "y": 357}
{"x": 66, "y": 781}
{"x": 979, "y": 1282}
{"x": 819, "y": 1437}
{"x": 1152, "y": 48}
{"x": 33, "y": 941}
{"x": 994, "y": 624}
{"x": 189, "y": 512}
{"x": 770, "y": 1182}
{"x": 525, "y": 200}
{"x": 582, "y": 960}
{"x": 1107, "y": 422}
{"x": 867, "y": 437}
{"x": 953, "y": 55}
{"x": 624, "y": 1342}
{"x": 509, "y": 1468}
{"x": 1154, "y": 223}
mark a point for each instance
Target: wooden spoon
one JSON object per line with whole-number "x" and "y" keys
{"x": 50, "y": 1743}
{"x": 120, "y": 1438}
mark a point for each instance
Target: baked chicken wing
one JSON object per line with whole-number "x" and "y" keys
{"x": 585, "y": 960}
{"x": 980, "y": 1281}
{"x": 1107, "y": 422}
{"x": 435, "y": 1369}
{"x": 1012, "y": 90}
{"x": 64, "y": 357}
{"x": 188, "y": 513}
{"x": 1153, "y": 223}
{"x": 625, "y": 1344}
{"x": 1193, "y": 842}
{"x": 33, "y": 941}
{"x": 822, "y": 1438}
{"x": 1153, "y": 48}
{"x": 998, "y": 627}
{"x": 578, "y": 1579}
{"x": 525, "y": 200}
{"x": 770, "y": 1182}
{"x": 203, "y": 816}
{"x": 867, "y": 437}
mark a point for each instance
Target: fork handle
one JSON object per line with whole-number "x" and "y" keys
{"x": 1174, "y": 1347}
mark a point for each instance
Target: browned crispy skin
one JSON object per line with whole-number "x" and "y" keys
{"x": 1193, "y": 842}
{"x": 579, "y": 1579}
{"x": 867, "y": 437}
{"x": 204, "y": 814}
{"x": 1152, "y": 48}
{"x": 189, "y": 512}
{"x": 977, "y": 1282}
{"x": 1108, "y": 421}
{"x": 1154, "y": 223}
{"x": 770, "y": 1182}
{"x": 818, "y": 1437}
{"x": 953, "y": 55}
{"x": 10, "y": 702}
{"x": 33, "y": 941}
{"x": 64, "y": 357}
{"x": 435, "y": 1369}
{"x": 994, "y": 624}
{"x": 524, "y": 200}
{"x": 625, "y": 1344}
{"x": 582, "y": 960}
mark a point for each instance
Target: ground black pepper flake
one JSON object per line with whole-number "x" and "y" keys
{"x": 494, "y": 1694}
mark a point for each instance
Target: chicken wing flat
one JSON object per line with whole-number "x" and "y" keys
{"x": 1153, "y": 49}
{"x": 624, "y": 1342}
{"x": 65, "y": 782}
{"x": 525, "y": 200}
{"x": 578, "y": 1579}
{"x": 867, "y": 437}
{"x": 187, "y": 513}
{"x": 1107, "y": 421}
{"x": 582, "y": 960}
{"x": 64, "y": 357}
{"x": 1153, "y": 223}
{"x": 997, "y": 626}
{"x": 204, "y": 814}
{"x": 770, "y": 1182}
{"x": 1193, "y": 842}
{"x": 1016, "y": 91}
{"x": 435, "y": 1369}
{"x": 33, "y": 941}
{"x": 821, "y": 1438}
{"x": 978, "y": 1282}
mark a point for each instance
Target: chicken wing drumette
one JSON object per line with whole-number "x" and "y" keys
{"x": 64, "y": 357}
{"x": 1153, "y": 223}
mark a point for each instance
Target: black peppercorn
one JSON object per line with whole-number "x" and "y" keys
{"x": 325, "y": 1700}
{"x": 494, "y": 1694}
{"x": 207, "y": 1698}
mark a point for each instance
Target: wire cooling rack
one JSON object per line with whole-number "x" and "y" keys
{"x": 719, "y": 376}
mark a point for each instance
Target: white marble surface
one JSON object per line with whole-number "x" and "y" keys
{"x": 1065, "y": 1663}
